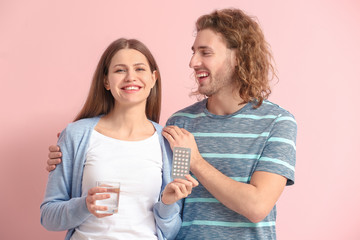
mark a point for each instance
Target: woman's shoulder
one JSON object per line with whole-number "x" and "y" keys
{"x": 82, "y": 125}
{"x": 157, "y": 126}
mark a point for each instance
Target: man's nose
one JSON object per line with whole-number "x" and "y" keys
{"x": 194, "y": 61}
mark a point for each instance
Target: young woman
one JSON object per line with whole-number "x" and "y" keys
{"x": 116, "y": 136}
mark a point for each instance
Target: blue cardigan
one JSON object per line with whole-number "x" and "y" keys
{"x": 64, "y": 208}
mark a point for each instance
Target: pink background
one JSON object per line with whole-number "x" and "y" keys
{"x": 49, "y": 49}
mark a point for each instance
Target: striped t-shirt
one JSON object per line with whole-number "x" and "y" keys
{"x": 239, "y": 144}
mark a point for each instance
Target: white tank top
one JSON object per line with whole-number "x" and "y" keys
{"x": 137, "y": 165}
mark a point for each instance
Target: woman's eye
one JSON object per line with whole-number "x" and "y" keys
{"x": 120, "y": 70}
{"x": 140, "y": 69}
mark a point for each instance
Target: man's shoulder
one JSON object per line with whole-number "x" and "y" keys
{"x": 193, "y": 111}
{"x": 270, "y": 108}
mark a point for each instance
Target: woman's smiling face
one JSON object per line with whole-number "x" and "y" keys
{"x": 129, "y": 79}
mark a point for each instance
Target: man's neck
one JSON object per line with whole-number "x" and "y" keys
{"x": 224, "y": 104}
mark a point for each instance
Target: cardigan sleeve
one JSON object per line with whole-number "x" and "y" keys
{"x": 167, "y": 217}
{"x": 61, "y": 209}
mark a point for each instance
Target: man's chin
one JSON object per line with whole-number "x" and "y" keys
{"x": 206, "y": 94}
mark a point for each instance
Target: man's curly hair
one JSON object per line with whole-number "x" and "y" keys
{"x": 254, "y": 67}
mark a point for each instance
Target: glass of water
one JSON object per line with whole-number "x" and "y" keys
{"x": 113, "y": 188}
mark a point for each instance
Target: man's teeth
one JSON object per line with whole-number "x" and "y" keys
{"x": 131, "y": 88}
{"x": 200, "y": 75}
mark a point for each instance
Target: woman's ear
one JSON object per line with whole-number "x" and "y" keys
{"x": 155, "y": 76}
{"x": 106, "y": 83}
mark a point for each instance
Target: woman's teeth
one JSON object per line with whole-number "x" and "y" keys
{"x": 131, "y": 88}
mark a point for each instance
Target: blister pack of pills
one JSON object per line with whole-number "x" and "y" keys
{"x": 181, "y": 162}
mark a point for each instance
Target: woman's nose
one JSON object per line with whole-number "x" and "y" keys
{"x": 131, "y": 76}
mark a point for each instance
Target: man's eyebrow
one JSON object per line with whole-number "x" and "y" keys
{"x": 201, "y": 48}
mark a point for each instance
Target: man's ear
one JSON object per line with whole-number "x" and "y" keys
{"x": 234, "y": 58}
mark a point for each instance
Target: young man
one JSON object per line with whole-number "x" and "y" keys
{"x": 243, "y": 146}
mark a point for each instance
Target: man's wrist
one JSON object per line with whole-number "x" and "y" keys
{"x": 198, "y": 165}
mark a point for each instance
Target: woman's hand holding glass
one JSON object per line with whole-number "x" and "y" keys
{"x": 91, "y": 201}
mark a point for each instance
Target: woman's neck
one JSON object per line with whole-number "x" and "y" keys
{"x": 126, "y": 123}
